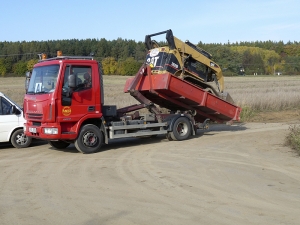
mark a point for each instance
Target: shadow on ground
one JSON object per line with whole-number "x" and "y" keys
{"x": 132, "y": 142}
{"x": 35, "y": 142}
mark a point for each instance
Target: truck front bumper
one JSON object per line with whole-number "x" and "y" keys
{"x": 47, "y": 131}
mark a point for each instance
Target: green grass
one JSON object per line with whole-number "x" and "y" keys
{"x": 247, "y": 114}
{"x": 293, "y": 138}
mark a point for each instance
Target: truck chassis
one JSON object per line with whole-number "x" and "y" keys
{"x": 190, "y": 109}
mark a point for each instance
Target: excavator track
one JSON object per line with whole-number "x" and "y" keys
{"x": 201, "y": 84}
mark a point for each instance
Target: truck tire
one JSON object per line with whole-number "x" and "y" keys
{"x": 181, "y": 129}
{"x": 59, "y": 144}
{"x": 19, "y": 139}
{"x": 89, "y": 139}
{"x": 168, "y": 136}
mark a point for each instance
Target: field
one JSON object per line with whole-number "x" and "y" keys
{"x": 261, "y": 97}
{"x": 238, "y": 174}
{"x": 265, "y": 93}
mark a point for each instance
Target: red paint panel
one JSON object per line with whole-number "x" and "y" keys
{"x": 182, "y": 94}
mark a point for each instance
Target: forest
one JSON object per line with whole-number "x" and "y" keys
{"x": 124, "y": 57}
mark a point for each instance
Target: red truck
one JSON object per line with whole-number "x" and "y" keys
{"x": 64, "y": 104}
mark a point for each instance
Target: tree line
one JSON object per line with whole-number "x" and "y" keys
{"x": 124, "y": 57}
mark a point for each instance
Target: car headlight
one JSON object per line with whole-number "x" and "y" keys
{"x": 50, "y": 130}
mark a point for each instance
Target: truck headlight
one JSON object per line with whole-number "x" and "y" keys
{"x": 50, "y": 130}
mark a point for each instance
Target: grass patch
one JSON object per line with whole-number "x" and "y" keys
{"x": 265, "y": 93}
{"x": 247, "y": 114}
{"x": 293, "y": 138}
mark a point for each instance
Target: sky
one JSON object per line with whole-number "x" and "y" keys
{"x": 213, "y": 21}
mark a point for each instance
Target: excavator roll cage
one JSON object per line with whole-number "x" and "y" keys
{"x": 169, "y": 38}
{"x": 171, "y": 43}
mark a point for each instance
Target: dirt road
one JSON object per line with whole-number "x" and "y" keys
{"x": 240, "y": 174}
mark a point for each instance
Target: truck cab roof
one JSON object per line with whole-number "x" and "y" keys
{"x": 68, "y": 58}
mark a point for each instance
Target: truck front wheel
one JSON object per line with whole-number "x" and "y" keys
{"x": 89, "y": 139}
{"x": 181, "y": 129}
{"x": 59, "y": 144}
{"x": 19, "y": 139}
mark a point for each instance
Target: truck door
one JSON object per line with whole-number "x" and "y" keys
{"x": 8, "y": 120}
{"x": 79, "y": 101}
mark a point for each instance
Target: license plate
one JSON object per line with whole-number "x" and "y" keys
{"x": 32, "y": 129}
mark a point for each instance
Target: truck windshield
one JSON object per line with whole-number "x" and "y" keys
{"x": 43, "y": 79}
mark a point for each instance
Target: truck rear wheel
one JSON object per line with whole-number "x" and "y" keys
{"x": 59, "y": 144}
{"x": 19, "y": 139}
{"x": 168, "y": 136}
{"x": 89, "y": 139}
{"x": 181, "y": 129}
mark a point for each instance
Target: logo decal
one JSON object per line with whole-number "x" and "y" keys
{"x": 152, "y": 61}
{"x": 154, "y": 52}
{"x": 66, "y": 111}
{"x": 174, "y": 65}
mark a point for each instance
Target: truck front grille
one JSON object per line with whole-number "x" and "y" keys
{"x": 34, "y": 116}
{"x": 37, "y": 124}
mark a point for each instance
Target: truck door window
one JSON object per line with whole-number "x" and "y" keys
{"x": 88, "y": 78}
{"x": 83, "y": 78}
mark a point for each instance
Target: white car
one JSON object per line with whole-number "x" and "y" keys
{"x": 12, "y": 123}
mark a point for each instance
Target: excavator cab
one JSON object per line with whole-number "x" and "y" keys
{"x": 161, "y": 60}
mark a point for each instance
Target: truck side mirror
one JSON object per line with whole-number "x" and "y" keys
{"x": 28, "y": 74}
{"x": 27, "y": 84}
{"x": 71, "y": 81}
{"x": 71, "y": 84}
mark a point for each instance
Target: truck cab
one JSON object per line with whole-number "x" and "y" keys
{"x": 12, "y": 122}
{"x": 63, "y": 94}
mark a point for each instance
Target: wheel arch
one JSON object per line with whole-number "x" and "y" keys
{"x": 172, "y": 118}
{"x": 13, "y": 131}
{"x": 90, "y": 139}
{"x": 99, "y": 122}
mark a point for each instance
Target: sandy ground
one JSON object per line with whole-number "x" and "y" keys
{"x": 240, "y": 174}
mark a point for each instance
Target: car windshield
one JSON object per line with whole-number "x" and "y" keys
{"x": 43, "y": 79}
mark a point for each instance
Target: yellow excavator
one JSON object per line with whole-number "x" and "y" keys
{"x": 187, "y": 61}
